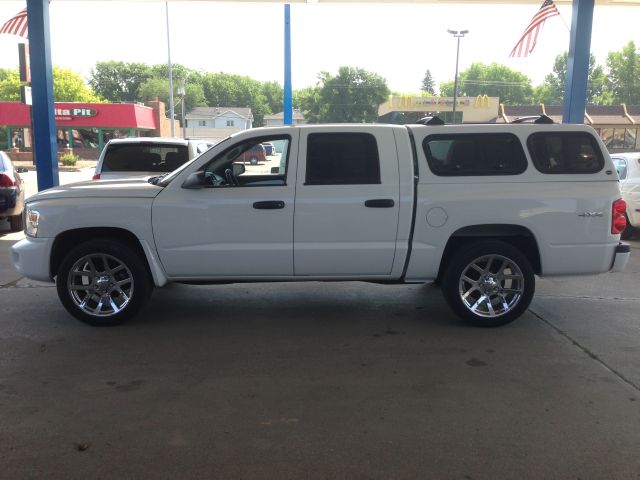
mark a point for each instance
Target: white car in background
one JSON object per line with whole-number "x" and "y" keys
{"x": 144, "y": 156}
{"x": 628, "y": 167}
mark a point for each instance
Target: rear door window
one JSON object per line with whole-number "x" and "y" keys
{"x": 565, "y": 152}
{"x": 474, "y": 154}
{"x": 151, "y": 157}
{"x": 342, "y": 159}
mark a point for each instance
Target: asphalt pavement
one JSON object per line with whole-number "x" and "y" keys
{"x": 315, "y": 380}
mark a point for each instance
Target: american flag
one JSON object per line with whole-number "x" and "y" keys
{"x": 527, "y": 42}
{"x": 17, "y": 25}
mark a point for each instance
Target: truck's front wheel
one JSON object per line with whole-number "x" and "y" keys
{"x": 488, "y": 283}
{"x": 103, "y": 282}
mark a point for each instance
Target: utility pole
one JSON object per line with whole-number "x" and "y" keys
{"x": 458, "y": 34}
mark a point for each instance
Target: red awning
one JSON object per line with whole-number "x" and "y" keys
{"x": 84, "y": 115}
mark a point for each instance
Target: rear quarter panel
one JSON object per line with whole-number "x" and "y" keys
{"x": 549, "y": 206}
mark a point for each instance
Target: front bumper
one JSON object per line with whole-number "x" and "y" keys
{"x": 620, "y": 257}
{"x": 633, "y": 211}
{"x": 31, "y": 257}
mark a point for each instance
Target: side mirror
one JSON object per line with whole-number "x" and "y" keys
{"x": 194, "y": 181}
{"x": 238, "y": 169}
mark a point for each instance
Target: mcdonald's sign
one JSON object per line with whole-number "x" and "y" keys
{"x": 482, "y": 101}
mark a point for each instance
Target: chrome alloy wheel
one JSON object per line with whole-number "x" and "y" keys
{"x": 100, "y": 285}
{"x": 491, "y": 286}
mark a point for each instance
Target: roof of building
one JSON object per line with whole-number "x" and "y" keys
{"x": 297, "y": 115}
{"x": 596, "y": 114}
{"x": 207, "y": 113}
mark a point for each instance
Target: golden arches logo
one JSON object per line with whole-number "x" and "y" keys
{"x": 406, "y": 101}
{"x": 482, "y": 101}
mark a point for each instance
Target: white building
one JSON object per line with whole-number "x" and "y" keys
{"x": 278, "y": 119}
{"x": 217, "y": 123}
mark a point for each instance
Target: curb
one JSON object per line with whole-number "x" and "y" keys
{"x": 32, "y": 168}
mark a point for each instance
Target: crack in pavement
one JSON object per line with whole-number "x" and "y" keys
{"x": 587, "y": 297}
{"x": 591, "y": 354}
{"x": 14, "y": 284}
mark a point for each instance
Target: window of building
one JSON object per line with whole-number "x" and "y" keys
{"x": 230, "y": 123}
{"x": 473, "y": 154}
{"x": 618, "y": 138}
{"x": 342, "y": 159}
{"x": 606, "y": 134}
{"x": 202, "y": 123}
{"x": 566, "y": 152}
{"x": 630, "y": 135}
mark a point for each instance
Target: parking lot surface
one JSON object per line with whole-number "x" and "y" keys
{"x": 315, "y": 380}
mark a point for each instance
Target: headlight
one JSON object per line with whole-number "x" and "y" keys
{"x": 31, "y": 224}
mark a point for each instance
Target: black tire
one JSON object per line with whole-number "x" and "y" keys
{"x": 628, "y": 232}
{"x": 16, "y": 222}
{"x": 253, "y": 160}
{"x": 124, "y": 282}
{"x": 488, "y": 299}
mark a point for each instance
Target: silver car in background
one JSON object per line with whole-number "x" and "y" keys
{"x": 144, "y": 156}
{"x": 628, "y": 167}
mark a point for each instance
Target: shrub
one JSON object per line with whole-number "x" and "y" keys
{"x": 69, "y": 159}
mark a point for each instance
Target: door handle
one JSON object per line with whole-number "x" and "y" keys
{"x": 269, "y": 205}
{"x": 379, "y": 203}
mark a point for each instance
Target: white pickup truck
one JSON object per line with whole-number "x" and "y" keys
{"x": 480, "y": 209}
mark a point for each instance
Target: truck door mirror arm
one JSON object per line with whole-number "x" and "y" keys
{"x": 194, "y": 181}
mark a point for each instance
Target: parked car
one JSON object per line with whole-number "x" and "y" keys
{"x": 11, "y": 193}
{"x": 628, "y": 167}
{"x": 253, "y": 155}
{"x": 269, "y": 148}
{"x": 143, "y": 156}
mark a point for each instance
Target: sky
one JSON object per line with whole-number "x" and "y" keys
{"x": 399, "y": 42}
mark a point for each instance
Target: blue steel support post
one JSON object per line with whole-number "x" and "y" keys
{"x": 578, "y": 62}
{"x": 288, "y": 94}
{"x": 44, "y": 146}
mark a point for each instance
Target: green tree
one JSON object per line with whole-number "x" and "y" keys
{"x": 159, "y": 88}
{"x": 178, "y": 72}
{"x": 551, "y": 92}
{"x": 9, "y": 85}
{"x": 119, "y": 81}
{"x": 624, "y": 75}
{"x": 68, "y": 86}
{"x": 428, "y": 85}
{"x": 227, "y": 90}
{"x": 351, "y": 96}
{"x": 309, "y": 102}
{"x": 274, "y": 94}
{"x": 495, "y": 80}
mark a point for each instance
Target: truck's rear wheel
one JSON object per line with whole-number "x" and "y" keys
{"x": 103, "y": 282}
{"x": 488, "y": 283}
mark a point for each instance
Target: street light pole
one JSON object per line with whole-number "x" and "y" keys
{"x": 171, "y": 112}
{"x": 458, "y": 34}
{"x": 182, "y": 92}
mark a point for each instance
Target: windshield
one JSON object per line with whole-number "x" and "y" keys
{"x": 166, "y": 180}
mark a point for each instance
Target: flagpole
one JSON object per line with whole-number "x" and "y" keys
{"x": 171, "y": 105}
